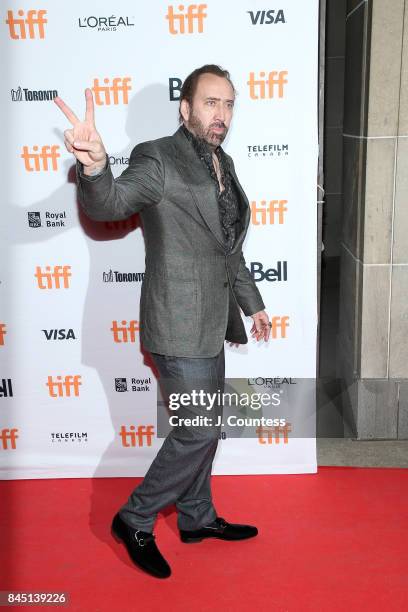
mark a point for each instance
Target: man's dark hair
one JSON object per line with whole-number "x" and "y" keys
{"x": 190, "y": 84}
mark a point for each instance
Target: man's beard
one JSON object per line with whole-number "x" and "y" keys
{"x": 196, "y": 126}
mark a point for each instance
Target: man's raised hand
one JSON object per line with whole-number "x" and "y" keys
{"x": 83, "y": 139}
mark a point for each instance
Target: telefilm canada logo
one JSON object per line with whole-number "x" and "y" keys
{"x": 114, "y": 276}
{"x": 135, "y": 384}
{"x": 69, "y": 436}
{"x": 23, "y": 94}
{"x": 51, "y": 219}
{"x": 110, "y": 23}
{"x": 268, "y": 151}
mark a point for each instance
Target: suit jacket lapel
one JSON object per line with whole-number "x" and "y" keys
{"x": 199, "y": 183}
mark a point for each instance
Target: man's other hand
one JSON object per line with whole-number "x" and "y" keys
{"x": 261, "y": 328}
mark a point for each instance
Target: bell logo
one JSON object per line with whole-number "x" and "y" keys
{"x": 184, "y": 21}
{"x": 2, "y": 333}
{"x": 63, "y": 388}
{"x": 34, "y": 21}
{"x": 8, "y": 438}
{"x": 268, "y": 213}
{"x": 265, "y": 85}
{"x": 124, "y": 332}
{"x": 53, "y": 279}
{"x": 103, "y": 92}
{"x": 35, "y": 161}
{"x": 136, "y": 437}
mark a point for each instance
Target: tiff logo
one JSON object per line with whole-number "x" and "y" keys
{"x": 40, "y": 160}
{"x": 125, "y": 332}
{"x": 53, "y": 278}
{"x": 184, "y": 21}
{"x": 265, "y": 86}
{"x": 103, "y": 92}
{"x": 34, "y": 21}
{"x": 8, "y": 438}
{"x": 266, "y": 435}
{"x": 268, "y": 213}
{"x": 2, "y": 333}
{"x": 6, "y": 389}
{"x": 62, "y": 388}
{"x": 132, "y": 437}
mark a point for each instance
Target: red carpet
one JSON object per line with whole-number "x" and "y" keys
{"x": 336, "y": 540}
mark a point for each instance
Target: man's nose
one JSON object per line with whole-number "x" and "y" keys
{"x": 220, "y": 112}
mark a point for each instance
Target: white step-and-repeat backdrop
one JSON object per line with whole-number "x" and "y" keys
{"x": 77, "y": 395}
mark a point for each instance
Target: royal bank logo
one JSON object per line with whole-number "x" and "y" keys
{"x": 34, "y": 219}
{"x": 69, "y": 436}
{"x": 28, "y": 24}
{"x": 135, "y": 384}
{"x": 106, "y": 24}
{"x": 267, "y": 17}
{"x": 113, "y": 276}
{"x": 52, "y": 219}
{"x": 22, "y": 94}
{"x": 266, "y": 151}
{"x": 280, "y": 273}
{"x": 6, "y": 387}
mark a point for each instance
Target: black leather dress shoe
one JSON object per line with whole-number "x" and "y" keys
{"x": 142, "y": 548}
{"x": 219, "y": 529}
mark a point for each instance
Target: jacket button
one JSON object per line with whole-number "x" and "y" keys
{"x": 226, "y": 284}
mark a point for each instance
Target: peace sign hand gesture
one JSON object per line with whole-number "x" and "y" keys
{"x": 83, "y": 139}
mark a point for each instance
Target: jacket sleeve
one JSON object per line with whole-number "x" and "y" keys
{"x": 105, "y": 198}
{"x": 246, "y": 291}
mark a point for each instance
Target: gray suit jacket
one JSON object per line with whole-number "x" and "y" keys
{"x": 193, "y": 288}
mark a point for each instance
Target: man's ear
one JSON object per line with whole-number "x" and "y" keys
{"x": 185, "y": 110}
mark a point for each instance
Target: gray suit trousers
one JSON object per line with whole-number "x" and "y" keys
{"x": 181, "y": 470}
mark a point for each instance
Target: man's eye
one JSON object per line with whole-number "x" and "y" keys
{"x": 210, "y": 102}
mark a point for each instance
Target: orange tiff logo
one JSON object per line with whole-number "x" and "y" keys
{"x": 108, "y": 94}
{"x": 266, "y": 85}
{"x": 186, "y": 19}
{"x": 125, "y": 332}
{"x": 8, "y": 438}
{"x": 2, "y": 333}
{"x": 34, "y": 23}
{"x": 36, "y": 161}
{"x": 268, "y": 213}
{"x": 142, "y": 436}
{"x": 52, "y": 279}
{"x": 268, "y": 435}
{"x": 64, "y": 388}
{"x": 278, "y": 326}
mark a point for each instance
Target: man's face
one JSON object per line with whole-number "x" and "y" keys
{"x": 210, "y": 115}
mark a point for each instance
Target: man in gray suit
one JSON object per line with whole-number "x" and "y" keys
{"x": 195, "y": 216}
